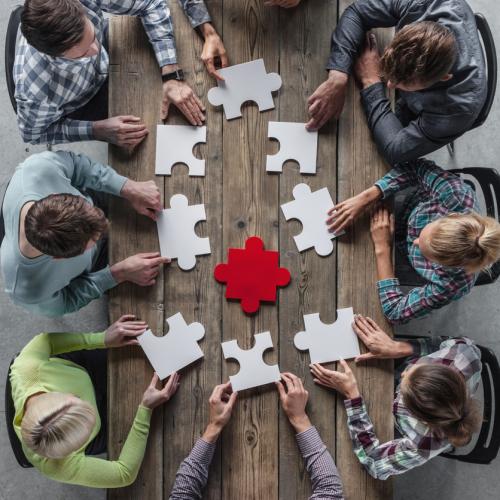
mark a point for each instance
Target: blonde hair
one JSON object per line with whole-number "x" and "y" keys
{"x": 471, "y": 241}
{"x": 55, "y": 424}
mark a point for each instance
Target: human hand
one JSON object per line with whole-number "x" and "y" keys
{"x": 327, "y": 100}
{"x": 143, "y": 196}
{"x": 287, "y": 4}
{"x": 367, "y": 65}
{"x": 382, "y": 228}
{"x": 124, "y": 131}
{"x": 344, "y": 213}
{"x": 141, "y": 269}
{"x": 154, "y": 397}
{"x": 181, "y": 95}
{"x": 221, "y": 401}
{"x": 124, "y": 331}
{"x": 294, "y": 398}
{"x": 213, "y": 50}
{"x": 380, "y": 345}
{"x": 343, "y": 382}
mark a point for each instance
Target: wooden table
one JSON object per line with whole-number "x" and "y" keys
{"x": 257, "y": 457}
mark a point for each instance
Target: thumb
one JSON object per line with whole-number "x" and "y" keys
{"x": 345, "y": 366}
{"x": 232, "y": 400}
{"x": 281, "y": 390}
{"x": 165, "y": 105}
{"x": 154, "y": 380}
{"x": 364, "y": 357}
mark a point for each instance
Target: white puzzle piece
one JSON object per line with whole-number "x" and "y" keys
{"x": 174, "y": 144}
{"x": 175, "y": 350}
{"x": 296, "y": 143}
{"x": 242, "y": 83}
{"x": 311, "y": 209}
{"x": 253, "y": 371}
{"x": 329, "y": 342}
{"x": 178, "y": 239}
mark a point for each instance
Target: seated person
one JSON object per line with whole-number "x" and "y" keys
{"x": 435, "y": 61}
{"x": 53, "y": 255}
{"x": 440, "y": 232}
{"x": 192, "y": 475}
{"x": 64, "y": 38}
{"x": 60, "y": 402}
{"x": 433, "y": 408}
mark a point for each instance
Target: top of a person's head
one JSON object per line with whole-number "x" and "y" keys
{"x": 55, "y": 425}
{"x": 63, "y": 225}
{"x": 53, "y": 26}
{"x": 420, "y": 54}
{"x": 470, "y": 241}
{"x": 437, "y": 395}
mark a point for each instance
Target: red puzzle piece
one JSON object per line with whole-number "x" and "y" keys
{"x": 252, "y": 274}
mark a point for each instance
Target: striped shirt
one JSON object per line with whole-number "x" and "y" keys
{"x": 418, "y": 443}
{"x": 50, "y": 88}
{"x": 438, "y": 194}
{"x": 192, "y": 475}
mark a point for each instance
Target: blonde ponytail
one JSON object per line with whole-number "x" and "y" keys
{"x": 471, "y": 241}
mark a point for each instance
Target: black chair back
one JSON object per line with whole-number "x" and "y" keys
{"x": 488, "y": 441}
{"x": 491, "y": 67}
{"x": 10, "y": 411}
{"x": 10, "y": 51}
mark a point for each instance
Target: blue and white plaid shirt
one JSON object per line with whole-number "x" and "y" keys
{"x": 50, "y": 88}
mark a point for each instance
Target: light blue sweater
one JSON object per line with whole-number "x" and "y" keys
{"x": 45, "y": 285}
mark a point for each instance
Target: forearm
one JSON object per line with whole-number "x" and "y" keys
{"x": 196, "y": 11}
{"x": 385, "y": 267}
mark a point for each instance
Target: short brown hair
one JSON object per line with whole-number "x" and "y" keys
{"x": 53, "y": 26}
{"x": 419, "y": 53}
{"x": 61, "y": 225}
{"x": 437, "y": 394}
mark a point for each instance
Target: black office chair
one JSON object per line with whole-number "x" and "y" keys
{"x": 488, "y": 179}
{"x": 10, "y": 51}
{"x": 490, "y": 56}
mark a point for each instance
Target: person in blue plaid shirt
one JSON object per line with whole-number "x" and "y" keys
{"x": 433, "y": 408}
{"x": 444, "y": 238}
{"x": 61, "y": 68}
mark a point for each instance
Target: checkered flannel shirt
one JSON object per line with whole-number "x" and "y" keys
{"x": 50, "y": 88}
{"x": 417, "y": 442}
{"x": 439, "y": 193}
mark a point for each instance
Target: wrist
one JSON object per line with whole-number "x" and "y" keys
{"x": 207, "y": 30}
{"x": 98, "y": 130}
{"x": 371, "y": 194}
{"x": 369, "y": 81}
{"x": 169, "y": 68}
{"x": 300, "y": 423}
{"x": 338, "y": 77}
{"x": 352, "y": 393}
{"x": 402, "y": 349}
{"x": 212, "y": 432}
{"x": 383, "y": 250}
{"x": 127, "y": 189}
{"x": 117, "y": 272}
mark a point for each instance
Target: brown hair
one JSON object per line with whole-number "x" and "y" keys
{"x": 471, "y": 241}
{"x": 61, "y": 225}
{"x": 437, "y": 394}
{"x": 419, "y": 53}
{"x": 53, "y": 26}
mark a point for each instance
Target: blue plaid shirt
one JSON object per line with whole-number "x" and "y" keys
{"x": 50, "y": 88}
{"x": 438, "y": 194}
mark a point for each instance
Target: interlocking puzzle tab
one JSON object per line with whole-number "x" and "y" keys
{"x": 253, "y": 370}
{"x": 242, "y": 83}
{"x": 252, "y": 274}
{"x": 177, "y": 349}
{"x": 328, "y": 342}
{"x": 178, "y": 239}
{"x": 311, "y": 209}
{"x": 174, "y": 144}
{"x": 296, "y": 143}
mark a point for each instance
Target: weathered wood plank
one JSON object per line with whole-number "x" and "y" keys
{"x": 135, "y": 88}
{"x": 305, "y": 43}
{"x": 250, "y": 207}
{"x": 195, "y": 293}
{"x": 359, "y": 166}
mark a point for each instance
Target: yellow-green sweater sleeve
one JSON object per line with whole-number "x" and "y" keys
{"x": 99, "y": 473}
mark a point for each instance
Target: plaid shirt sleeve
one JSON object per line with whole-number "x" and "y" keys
{"x": 42, "y": 122}
{"x": 157, "y": 21}
{"x": 196, "y": 11}
{"x": 445, "y": 187}
{"x": 401, "y": 308}
{"x": 381, "y": 460}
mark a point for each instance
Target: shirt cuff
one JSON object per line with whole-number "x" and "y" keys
{"x": 383, "y": 185}
{"x": 116, "y": 183}
{"x": 96, "y": 340}
{"x": 143, "y": 415}
{"x": 354, "y": 406}
{"x": 309, "y": 441}
{"x": 373, "y": 93}
{"x": 203, "y": 451}
{"x": 79, "y": 130}
{"x": 104, "y": 279}
{"x": 387, "y": 283}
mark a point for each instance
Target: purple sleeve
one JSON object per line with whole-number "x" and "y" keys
{"x": 325, "y": 480}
